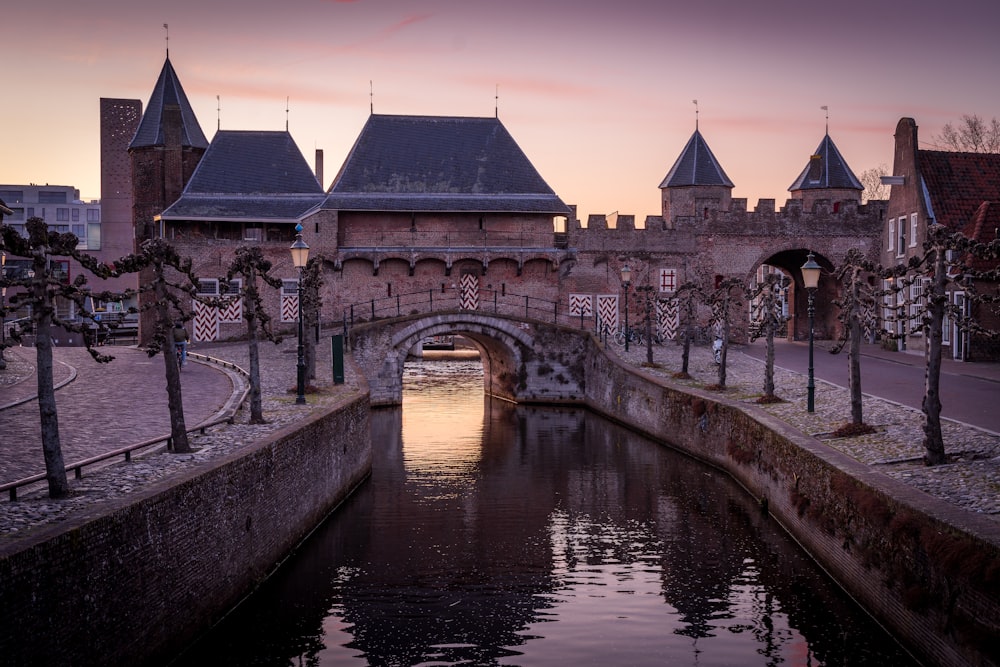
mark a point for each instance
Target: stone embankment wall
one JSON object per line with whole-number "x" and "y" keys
{"x": 137, "y": 581}
{"x": 927, "y": 570}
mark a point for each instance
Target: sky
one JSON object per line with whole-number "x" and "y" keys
{"x": 599, "y": 95}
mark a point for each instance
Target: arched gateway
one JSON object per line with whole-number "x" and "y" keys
{"x": 523, "y": 361}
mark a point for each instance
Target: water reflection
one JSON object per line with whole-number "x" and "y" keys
{"x": 491, "y": 534}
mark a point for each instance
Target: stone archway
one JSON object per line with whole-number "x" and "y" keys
{"x": 826, "y": 324}
{"x": 522, "y": 361}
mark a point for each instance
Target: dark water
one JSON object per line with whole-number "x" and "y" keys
{"x": 492, "y": 534}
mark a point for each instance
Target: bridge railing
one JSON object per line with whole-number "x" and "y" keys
{"x": 498, "y": 302}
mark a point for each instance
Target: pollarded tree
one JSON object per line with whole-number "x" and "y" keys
{"x": 170, "y": 287}
{"x": 42, "y": 287}
{"x": 949, "y": 260}
{"x": 766, "y": 319}
{"x": 687, "y": 297}
{"x": 723, "y": 301}
{"x": 312, "y": 303}
{"x": 250, "y": 265}
{"x": 856, "y": 303}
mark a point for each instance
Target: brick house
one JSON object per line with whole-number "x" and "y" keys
{"x": 955, "y": 189}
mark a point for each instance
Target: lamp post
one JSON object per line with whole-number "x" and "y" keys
{"x": 300, "y": 255}
{"x": 810, "y": 279}
{"x": 626, "y": 280}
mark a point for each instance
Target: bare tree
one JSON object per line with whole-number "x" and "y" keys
{"x": 766, "y": 320}
{"x": 43, "y": 286}
{"x": 312, "y": 303}
{"x": 172, "y": 285}
{"x": 971, "y": 135}
{"x": 949, "y": 259}
{"x": 250, "y": 265}
{"x": 871, "y": 179}
{"x": 687, "y": 298}
{"x": 857, "y": 302}
{"x": 723, "y": 301}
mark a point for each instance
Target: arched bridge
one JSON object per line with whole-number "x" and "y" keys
{"x": 524, "y": 360}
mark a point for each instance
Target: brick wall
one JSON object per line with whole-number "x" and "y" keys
{"x": 925, "y": 569}
{"x": 138, "y": 580}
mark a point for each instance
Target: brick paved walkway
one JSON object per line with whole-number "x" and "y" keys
{"x": 101, "y": 406}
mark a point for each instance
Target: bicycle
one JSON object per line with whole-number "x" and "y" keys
{"x": 634, "y": 336}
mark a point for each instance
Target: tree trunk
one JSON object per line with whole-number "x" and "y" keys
{"x": 686, "y": 350}
{"x": 256, "y": 402}
{"x": 933, "y": 439}
{"x": 175, "y": 403}
{"x": 649, "y": 334}
{"x": 769, "y": 359}
{"x": 854, "y": 355}
{"x": 55, "y": 467}
{"x": 309, "y": 347}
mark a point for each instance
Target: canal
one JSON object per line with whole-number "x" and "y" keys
{"x": 493, "y": 534}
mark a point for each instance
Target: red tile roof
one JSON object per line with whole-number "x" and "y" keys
{"x": 959, "y": 183}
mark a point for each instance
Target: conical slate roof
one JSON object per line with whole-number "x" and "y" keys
{"x": 696, "y": 166}
{"x": 826, "y": 169}
{"x": 249, "y": 175}
{"x": 439, "y": 163}
{"x": 168, "y": 92}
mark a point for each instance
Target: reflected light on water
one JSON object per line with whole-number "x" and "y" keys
{"x": 443, "y": 431}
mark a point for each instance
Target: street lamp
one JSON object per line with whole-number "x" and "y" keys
{"x": 626, "y": 279}
{"x": 810, "y": 279}
{"x": 300, "y": 255}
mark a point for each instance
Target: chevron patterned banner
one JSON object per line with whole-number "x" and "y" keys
{"x": 206, "y": 322}
{"x": 666, "y": 318}
{"x": 289, "y": 307}
{"x": 607, "y": 312}
{"x": 470, "y": 292}
{"x": 232, "y": 313}
{"x": 581, "y": 304}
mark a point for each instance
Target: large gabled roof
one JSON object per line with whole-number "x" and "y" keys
{"x": 696, "y": 166}
{"x": 826, "y": 169}
{"x": 439, "y": 163}
{"x": 249, "y": 175}
{"x": 957, "y": 184}
{"x": 168, "y": 92}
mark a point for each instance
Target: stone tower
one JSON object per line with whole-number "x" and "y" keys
{"x": 827, "y": 176}
{"x": 694, "y": 186}
{"x": 165, "y": 151}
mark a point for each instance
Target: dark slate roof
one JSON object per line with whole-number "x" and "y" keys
{"x": 957, "y": 184}
{"x": 445, "y": 164}
{"x": 696, "y": 166}
{"x": 826, "y": 169}
{"x": 168, "y": 91}
{"x": 249, "y": 175}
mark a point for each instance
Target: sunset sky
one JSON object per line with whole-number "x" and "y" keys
{"x": 598, "y": 94}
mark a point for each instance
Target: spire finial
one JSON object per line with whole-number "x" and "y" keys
{"x": 371, "y": 97}
{"x": 286, "y": 114}
{"x": 827, "y": 110}
{"x": 218, "y": 113}
{"x": 695, "y": 114}
{"x": 166, "y": 29}
{"x": 496, "y": 102}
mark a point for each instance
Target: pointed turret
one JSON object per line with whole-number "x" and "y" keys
{"x": 168, "y": 99}
{"x": 165, "y": 150}
{"x": 696, "y": 184}
{"x": 827, "y": 176}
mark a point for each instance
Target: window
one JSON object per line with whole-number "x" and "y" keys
{"x": 12, "y": 196}
{"x": 253, "y": 234}
{"x": 235, "y": 287}
{"x": 93, "y": 215}
{"x": 892, "y": 235}
{"x": 915, "y": 307}
{"x": 668, "y": 280}
{"x": 93, "y": 236}
{"x": 75, "y": 214}
{"x": 901, "y": 248}
{"x": 208, "y": 286}
{"x": 31, "y": 211}
{"x": 289, "y": 287}
{"x": 51, "y": 197}
{"x": 80, "y": 231}
{"x": 18, "y": 214}
{"x": 62, "y": 215}
{"x": 913, "y": 230}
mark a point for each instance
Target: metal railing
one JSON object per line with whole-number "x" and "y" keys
{"x": 489, "y": 301}
{"x": 77, "y": 467}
